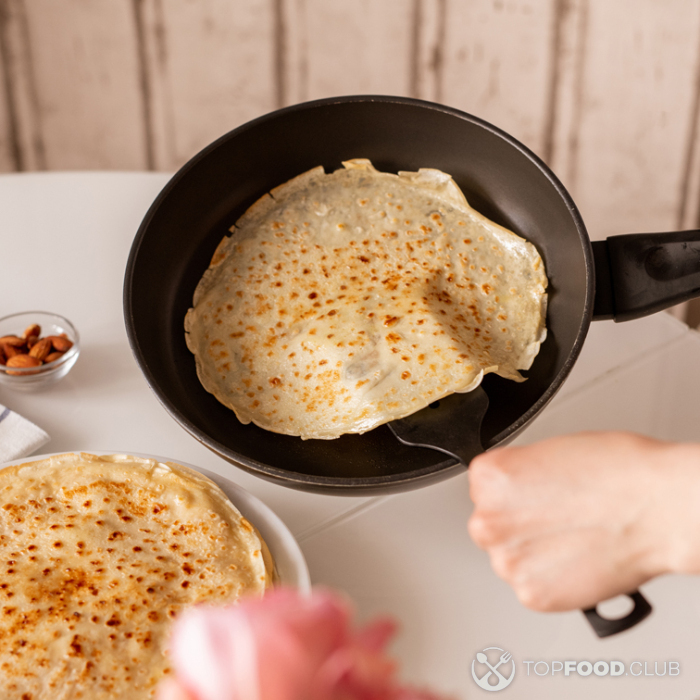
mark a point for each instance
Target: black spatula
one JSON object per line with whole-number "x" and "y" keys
{"x": 451, "y": 425}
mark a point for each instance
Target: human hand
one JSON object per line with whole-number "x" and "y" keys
{"x": 575, "y": 520}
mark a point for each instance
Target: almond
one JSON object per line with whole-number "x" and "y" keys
{"x": 60, "y": 342}
{"x": 41, "y": 349}
{"x": 10, "y": 350}
{"x": 22, "y": 361}
{"x": 53, "y": 356}
{"x": 3, "y": 359}
{"x": 34, "y": 329}
{"x": 13, "y": 340}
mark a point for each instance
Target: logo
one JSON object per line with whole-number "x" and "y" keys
{"x": 489, "y": 672}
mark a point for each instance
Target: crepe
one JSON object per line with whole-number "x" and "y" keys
{"x": 346, "y": 300}
{"x": 99, "y": 555}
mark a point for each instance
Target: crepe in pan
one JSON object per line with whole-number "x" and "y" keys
{"x": 98, "y": 555}
{"x": 346, "y": 300}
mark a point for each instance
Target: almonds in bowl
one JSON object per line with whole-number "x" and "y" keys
{"x": 36, "y": 349}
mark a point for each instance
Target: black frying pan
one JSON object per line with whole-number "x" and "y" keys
{"x": 622, "y": 278}
{"x": 625, "y": 277}
{"x": 177, "y": 238}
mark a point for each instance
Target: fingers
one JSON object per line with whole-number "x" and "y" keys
{"x": 491, "y": 528}
{"x": 567, "y": 570}
{"x": 530, "y": 591}
{"x": 493, "y": 475}
{"x": 510, "y": 500}
{"x": 544, "y": 580}
{"x": 489, "y": 474}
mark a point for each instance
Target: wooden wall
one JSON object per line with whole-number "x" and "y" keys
{"x": 606, "y": 91}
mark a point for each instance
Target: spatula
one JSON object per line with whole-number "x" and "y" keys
{"x": 451, "y": 425}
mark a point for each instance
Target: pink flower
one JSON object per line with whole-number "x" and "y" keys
{"x": 284, "y": 646}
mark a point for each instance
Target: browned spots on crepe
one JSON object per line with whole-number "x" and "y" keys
{"x": 334, "y": 286}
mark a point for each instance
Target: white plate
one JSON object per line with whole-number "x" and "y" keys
{"x": 289, "y": 560}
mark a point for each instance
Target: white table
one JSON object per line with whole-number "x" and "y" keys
{"x": 64, "y": 242}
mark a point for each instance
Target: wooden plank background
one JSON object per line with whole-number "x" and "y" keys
{"x": 607, "y": 92}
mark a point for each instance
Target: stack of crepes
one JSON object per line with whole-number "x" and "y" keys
{"x": 100, "y": 554}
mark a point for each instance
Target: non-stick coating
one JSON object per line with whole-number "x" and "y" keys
{"x": 177, "y": 238}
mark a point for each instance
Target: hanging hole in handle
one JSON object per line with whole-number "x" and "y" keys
{"x": 606, "y": 627}
{"x": 615, "y": 608}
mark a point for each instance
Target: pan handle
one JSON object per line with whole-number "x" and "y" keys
{"x": 641, "y": 273}
{"x": 605, "y": 627}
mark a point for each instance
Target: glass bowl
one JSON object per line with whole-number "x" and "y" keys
{"x": 31, "y": 378}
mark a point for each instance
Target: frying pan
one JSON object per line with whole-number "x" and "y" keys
{"x": 622, "y": 278}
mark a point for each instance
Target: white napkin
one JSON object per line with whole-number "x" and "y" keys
{"x": 18, "y": 436}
